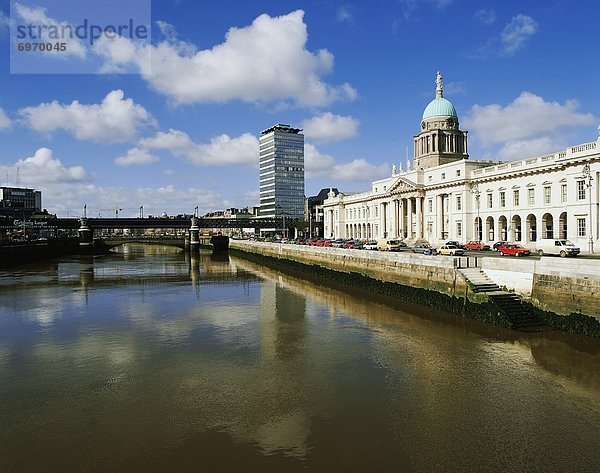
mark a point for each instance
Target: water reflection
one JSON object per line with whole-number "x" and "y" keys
{"x": 159, "y": 361}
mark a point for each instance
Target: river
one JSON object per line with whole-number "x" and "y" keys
{"x": 149, "y": 360}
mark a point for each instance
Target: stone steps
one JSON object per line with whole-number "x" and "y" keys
{"x": 521, "y": 316}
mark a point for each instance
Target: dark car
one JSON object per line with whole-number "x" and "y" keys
{"x": 498, "y": 244}
{"x": 424, "y": 249}
{"x": 454, "y": 243}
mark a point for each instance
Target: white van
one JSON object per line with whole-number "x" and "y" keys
{"x": 551, "y": 246}
{"x": 390, "y": 245}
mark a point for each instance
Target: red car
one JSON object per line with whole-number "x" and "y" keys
{"x": 476, "y": 245}
{"x": 516, "y": 250}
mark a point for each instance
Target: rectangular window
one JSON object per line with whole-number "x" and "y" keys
{"x": 458, "y": 229}
{"x": 563, "y": 193}
{"x": 430, "y": 205}
{"x": 581, "y": 227}
{"x": 516, "y": 198}
{"x": 547, "y": 195}
{"x": 531, "y": 196}
{"x": 458, "y": 203}
{"x": 490, "y": 201}
{"x": 580, "y": 190}
{"x": 376, "y": 211}
{"x": 502, "y": 199}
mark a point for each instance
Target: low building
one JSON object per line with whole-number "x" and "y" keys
{"x": 443, "y": 195}
{"x": 19, "y": 202}
{"x": 313, "y": 211}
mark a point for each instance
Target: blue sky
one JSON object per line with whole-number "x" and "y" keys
{"x": 356, "y": 76}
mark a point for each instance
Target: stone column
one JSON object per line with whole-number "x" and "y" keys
{"x": 439, "y": 217}
{"x": 419, "y": 217}
{"x": 409, "y": 218}
{"x": 401, "y": 207}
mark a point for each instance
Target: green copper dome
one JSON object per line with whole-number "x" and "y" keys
{"x": 439, "y": 107}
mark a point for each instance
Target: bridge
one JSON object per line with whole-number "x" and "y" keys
{"x": 201, "y": 222}
{"x": 192, "y": 240}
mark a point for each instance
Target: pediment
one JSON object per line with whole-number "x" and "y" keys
{"x": 403, "y": 185}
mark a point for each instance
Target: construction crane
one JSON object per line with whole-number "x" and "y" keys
{"x": 116, "y": 210}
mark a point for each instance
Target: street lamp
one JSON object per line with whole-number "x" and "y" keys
{"x": 477, "y": 193}
{"x": 587, "y": 175}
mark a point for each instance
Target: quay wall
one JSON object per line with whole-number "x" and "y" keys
{"x": 13, "y": 254}
{"x": 553, "y": 285}
{"x": 414, "y": 270}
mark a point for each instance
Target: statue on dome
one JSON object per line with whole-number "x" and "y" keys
{"x": 439, "y": 89}
{"x": 393, "y": 169}
{"x": 408, "y": 164}
{"x": 401, "y": 168}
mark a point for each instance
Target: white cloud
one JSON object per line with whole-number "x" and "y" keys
{"x": 136, "y": 156}
{"x": 266, "y": 61}
{"x": 4, "y": 120}
{"x": 317, "y": 164}
{"x": 516, "y": 33}
{"x": 38, "y": 16}
{"x": 115, "y": 119}
{"x": 42, "y": 169}
{"x": 360, "y": 170}
{"x": 222, "y": 149}
{"x": 4, "y": 23}
{"x": 344, "y": 14}
{"x": 330, "y": 127}
{"x": 487, "y": 17}
{"x": 527, "y": 126}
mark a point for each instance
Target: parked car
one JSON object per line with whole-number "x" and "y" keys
{"x": 476, "y": 245}
{"x": 550, "y": 246}
{"x": 451, "y": 250}
{"x": 454, "y": 243}
{"x": 386, "y": 244}
{"x": 353, "y": 244}
{"x": 424, "y": 249}
{"x": 498, "y": 244}
{"x": 338, "y": 243}
{"x": 513, "y": 249}
{"x": 370, "y": 245}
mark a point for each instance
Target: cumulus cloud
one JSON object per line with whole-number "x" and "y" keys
{"x": 38, "y": 16}
{"x": 265, "y": 61}
{"x": 330, "y": 127}
{"x": 42, "y": 169}
{"x": 517, "y": 32}
{"x": 4, "y": 120}
{"x": 222, "y": 149}
{"x": 317, "y": 164}
{"x": 136, "y": 156}
{"x": 360, "y": 170}
{"x": 527, "y": 126}
{"x": 115, "y": 119}
{"x": 487, "y": 17}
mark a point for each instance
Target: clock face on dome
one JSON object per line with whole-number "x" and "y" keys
{"x": 423, "y": 125}
{"x": 450, "y": 123}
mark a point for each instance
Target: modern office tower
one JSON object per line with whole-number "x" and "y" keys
{"x": 282, "y": 172}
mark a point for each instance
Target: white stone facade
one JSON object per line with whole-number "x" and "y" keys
{"x": 549, "y": 196}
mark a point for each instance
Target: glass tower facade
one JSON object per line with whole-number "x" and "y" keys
{"x": 282, "y": 172}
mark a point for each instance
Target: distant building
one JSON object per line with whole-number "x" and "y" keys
{"x": 19, "y": 202}
{"x": 313, "y": 211}
{"x": 282, "y": 172}
{"x": 443, "y": 195}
